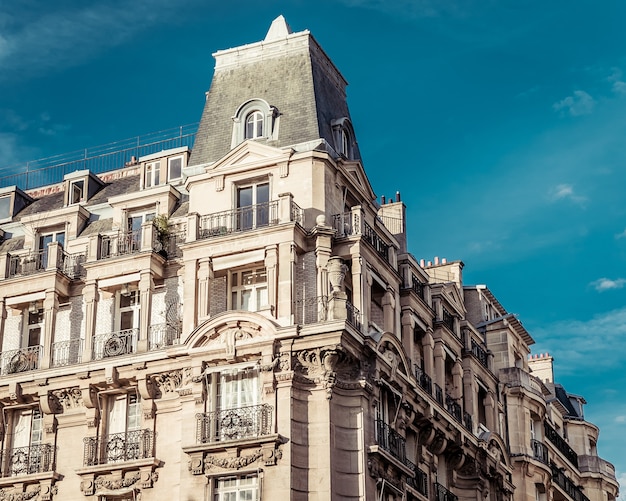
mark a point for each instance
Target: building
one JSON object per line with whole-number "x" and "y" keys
{"x": 242, "y": 320}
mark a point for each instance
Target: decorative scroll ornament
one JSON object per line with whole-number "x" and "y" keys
{"x": 233, "y": 463}
{"x": 326, "y": 364}
{"x": 7, "y": 495}
{"x": 69, "y": 398}
{"x": 168, "y": 382}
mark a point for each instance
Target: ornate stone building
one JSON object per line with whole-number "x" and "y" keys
{"x": 242, "y": 320}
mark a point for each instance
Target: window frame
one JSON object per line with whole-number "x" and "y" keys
{"x": 73, "y": 184}
{"x": 9, "y": 198}
{"x": 223, "y": 492}
{"x": 269, "y": 118}
{"x": 25, "y": 439}
{"x": 237, "y": 288}
{"x": 170, "y": 160}
{"x": 152, "y": 174}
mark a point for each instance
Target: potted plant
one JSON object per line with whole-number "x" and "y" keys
{"x": 161, "y": 226}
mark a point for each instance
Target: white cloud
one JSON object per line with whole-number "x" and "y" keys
{"x": 580, "y": 103}
{"x": 605, "y": 284}
{"x": 566, "y": 192}
{"x": 621, "y": 235}
{"x": 618, "y": 85}
{"x": 621, "y": 478}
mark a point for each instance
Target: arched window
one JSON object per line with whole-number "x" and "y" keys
{"x": 343, "y": 135}
{"x": 254, "y": 125}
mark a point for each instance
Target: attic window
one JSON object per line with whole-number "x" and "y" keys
{"x": 343, "y": 135}
{"x": 5, "y": 207}
{"x": 254, "y": 125}
{"x": 153, "y": 174}
{"x": 254, "y": 119}
{"x": 77, "y": 191}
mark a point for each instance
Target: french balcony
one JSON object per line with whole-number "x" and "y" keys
{"x": 161, "y": 336}
{"x": 239, "y": 220}
{"x": 571, "y": 489}
{"x": 443, "y": 494}
{"x": 118, "y": 447}
{"x": 28, "y": 460}
{"x": 391, "y": 441}
{"x": 454, "y": 408}
{"x": 424, "y": 380}
{"x": 172, "y": 244}
{"x": 21, "y": 265}
{"x": 353, "y": 315}
{"x": 561, "y": 445}
{"x": 438, "y": 393}
{"x": 419, "y": 482}
{"x": 468, "y": 422}
{"x": 248, "y": 422}
{"x": 310, "y": 310}
{"x": 480, "y": 354}
{"x": 72, "y": 265}
{"x": 447, "y": 319}
{"x": 540, "y": 451}
{"x": 115, "y": 344}
{"x": 67, "y": 352}
{"x": 22, "y": 360}
{"x": 121, "y": 244}
{"x": 417, "y": 287}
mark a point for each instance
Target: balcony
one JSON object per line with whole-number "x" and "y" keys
{"x": 28, "y": 460}
{"x": 117, "y": 447}
{"x": 161, "y": 336}
{"x": 468, "y": 422}
{"x": 443, "y": 494}
{"x": 419, "y": 482}
{"x": 354, "y": 315}
{"x": 72, "y": 265}
{"x": 447, "y": 319}
{"x": 351, "y": 223}
{"x": 570, "y": 488}
{"x": 454, "y": 408}
{"x": 391, "y": 441}
{"x": 540, "y": 451}
{"x": 239, "y": 220}
{"x": 115, "y": 344}
{"x": 560, "y": 443}
{"x": 424, "y": 380}
{"x": 121, "y": 244}
{"x": 27, "y": 264}
{"x": 22, "y": 360}
{"x": 172, "y": 245}
{"x": 67, "y": 352}
{"x": 234, "y": 424}
{"x": 480, "y": 354}
{"x": 417, "y": 287}
{"x": 438, "y": 393}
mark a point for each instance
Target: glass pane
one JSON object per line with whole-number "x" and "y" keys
{"x": 60, "y": 238}
{"x": 262, "y": 193}
{"x": 247, "y": 278}
{"x": 244, "y": 197}
{"x": 261, "y": 297}
{"x": 246, "y": 303}
{"x": 36, "y": 436}
{"x": 5, "y": 206}
{"x": 34, "y": 336}
{"x": 126, "y": 320}
{"x": 175, "y": 168}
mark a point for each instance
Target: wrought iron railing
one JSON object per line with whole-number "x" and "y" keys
{"x": 310, "y": 310}
{"x": 572, "y": 490}
{"x": 381, "y": 247}
{"x": 98, "y": 159}
{"x": 424, "y": 380}
{"x": 390, "y": 440}
{"x": 38, "y": 458}
{"x": 438, "y": 393}
{"x": 68, "y": 352}
{"x": 417, "y": 287}
{"x": 447, "y": 319}
{"x": 354, "y": 315}
{"x": 116, "y": 447}
{"x": 419, "y": 482}
{"x": 540, "y": 451}
{"x": 173, "y": 243}
{"x": 481, "y": 354}
{"x": 560, "y": 443}
{"x": 73, "y": 265}
{"x": 120, "y": 244}
{"x": 454, "y": 408}
{"x": 234, "y": 424}
{"x": 468, "y": 422}
{"x": 114, "y": 344}
{"x": 238, "y": 220}
{"x": 22, "y": 360}
{"x": 443, "y": 494}
{"x": 27, "y": 264}
{"x": 297, "y": 214}
{"x": 162, "y": 335}
{"x": 346, "y": 224}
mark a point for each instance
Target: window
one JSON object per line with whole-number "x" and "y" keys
{"x": 5, "y": 206}
{"x": 45, "y": 239}
{"x": 244, "y": 488}
{"x": 343, "y": 135}
{"x": 254, "y": 125}
{"x": 153, "y": 174}
{"x": 124, "y": 340}
{"x": 123, "y": 425}
{"x": 128, "y": 310}
{"x": 77, "y": 190}
{"x": 249, "y": 290}
{"x": 131, "y": 241}
{"x": 174, "y": 168}
{"x": 238, "y": 388}
{"x": 253, "y": 206}
{"x": 27, "y": 453}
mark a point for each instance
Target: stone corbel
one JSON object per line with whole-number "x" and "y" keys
{"x": 196, "y": 463}
{"x": 111, "y": 376}
{"x": 15, "y": 392}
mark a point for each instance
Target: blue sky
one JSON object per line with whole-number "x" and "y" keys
{"x": 503, "y": 124}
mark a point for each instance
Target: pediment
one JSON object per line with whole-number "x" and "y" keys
{"x": 391, "y": 352}
{"x": 359, "y": 179}
{"x": 452, "y": 295}
{"x": 249, "y": 153}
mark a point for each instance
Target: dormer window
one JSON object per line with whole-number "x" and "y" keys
{"x": 174, "y": 168}
{"x": 254, "y": 125}
{"x": 77, "y": 191}
{"x": 5, "y": 206}
{"x": 80, "y": 186}
{"x": 343, "y": 135}
{"x": 255, "y": 119}
{"x": 153, "y": 174}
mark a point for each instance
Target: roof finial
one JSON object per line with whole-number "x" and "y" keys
{"x": 278, "y": 29}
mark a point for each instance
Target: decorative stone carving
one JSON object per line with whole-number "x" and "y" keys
{"x": 9, "y": 495}
{"x": 326, "y": 364}
{"x": 336, "y": 273}
{"x": 230, "y": 336}
{"x": 168, "y": 382}
{"x": 69, "y": 398}
{"x": 233, "y": 463}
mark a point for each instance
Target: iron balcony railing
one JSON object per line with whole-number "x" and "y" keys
{"x": 22, "y": 360}
{"x": 173, "y": 243}
{"x": 424, "y": 380}
{"x": 68, "y": 352}
{"x": 349, "y": 223}
{"x": 419, "y": 482}
{"x": 98, "y": 159}
{"x": 540, "y": 451}
{"x": 481, "y": 354}
{"x": 438, "y": 393}
{"x": 390, "y": 441}
{"x": 297, "y": 214}
{"x": 252, "y": 421}
{"x": 73, "y": 265}
{"x": 116, "y": 447}
{"x": 448, "y": 319}
{"x": 354, "y": 315}
{"x": 310, "y": 310}
{"x": 454, "y": 408}
{"x": 38, "y": 458}
{"x": 120, "y": 244}
{"x": 238, "y": 220}
{"x": 381, "y": 247}
{"x": 417, "y": 287}
{"x": 27, "y": 264}
{"x": 560, "y": 443}
{"x": 443, "y": 494}
{"x": 468, "y": 422}
{"x": 572, "y": 490}
{"x": 115, "y": 344}
{"x": 162, "y": 335}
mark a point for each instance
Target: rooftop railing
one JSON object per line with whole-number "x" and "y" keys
{"x": 98, "y": 159}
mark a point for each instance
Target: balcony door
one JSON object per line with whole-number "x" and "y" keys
{"x": 253, "y": 206}
{"x": 27, "y": 435}
{"x": 132, "y": 240}
{"x": 239, "y": 414}
{"x": 123, "y": 425}
{"x": 47, "y": 238}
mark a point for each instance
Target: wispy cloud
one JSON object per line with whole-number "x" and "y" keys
{"x": 618, "y": 86}
{"x": 566, "y": 192}
{"x": 605, "y": 284}
{"x": 621, "y": 235}
{"x": 578, "y": 104}
{"x": 59, "y": 38}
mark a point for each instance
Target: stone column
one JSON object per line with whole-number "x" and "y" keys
{"x": 55, "y": 255}
{"x": 146, "y": 286}
{"x": 323, "y": 248}
{"x": 358, "y": 283}
{"x": 428, "y": 344}
{"x": 287, "y": 258}
{"x": 490, "y": 412}
{"x": 205, "y": 274}
{"x": 3, "y": 316}
{"x": 407, "y": 327}
{"x": 470, "y": 394}
{"x": 90, "y": 295}
{"x": 193, "y": 221}
{"x": 271, "y": 265}
{"x": 50, "y": 308}
{"x": 389, "y": 312}
{"x": 284, "y": 207}
{"x": 440, "y": 365}
{"x": 189, "y": 297}
{"x": 457, "y": 381}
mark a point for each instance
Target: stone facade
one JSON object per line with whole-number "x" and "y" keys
{"x": 244, "y": 321}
